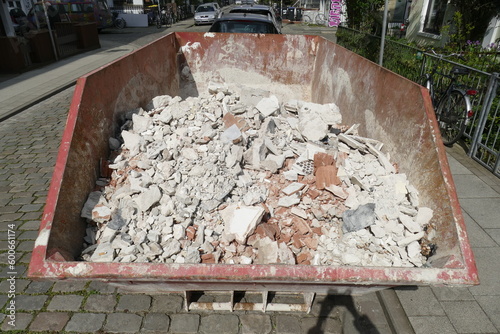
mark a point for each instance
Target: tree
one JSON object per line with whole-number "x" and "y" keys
{"x": 477, "y": 14}
{"x": 363, "y": 15}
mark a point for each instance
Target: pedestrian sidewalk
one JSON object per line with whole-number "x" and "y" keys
{"x": 22, "y": 91}
{"x": 473, "y": 309}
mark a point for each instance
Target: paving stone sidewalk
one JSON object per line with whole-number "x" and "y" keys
{"x": 28, "y": 151}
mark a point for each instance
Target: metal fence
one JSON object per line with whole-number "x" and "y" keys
{"x": 482, "y": 135}
{"x": 485, "y": 140}
{"x": 398, "y": 57}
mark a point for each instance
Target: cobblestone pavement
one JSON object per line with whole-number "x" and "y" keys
{"x": 28, "y": 149}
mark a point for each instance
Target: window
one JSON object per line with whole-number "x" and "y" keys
{"x": 434, "y": 16}
{"x": 202, "y": 9}
{"x": 243, "y": 27}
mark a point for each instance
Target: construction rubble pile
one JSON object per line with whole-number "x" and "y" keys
{"x": 215, "y": 179}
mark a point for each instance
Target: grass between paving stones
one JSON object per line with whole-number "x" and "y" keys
{"x": 83, "y": 292}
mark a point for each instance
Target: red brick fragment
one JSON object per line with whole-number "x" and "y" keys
{"x": 311, "y": 243}
{"x": 323, "y": 159}
{"x": 317, "y": 230}
{"x": 297, "y": 241}
{"x": 207, "y": 258}
{"x": 304, "y": 258}
{"x": 326, "y": 176}
{"x": 267, "y": 230}
{"x": 191, "y": 233}
{"x": 285, "y": 237}
{"x": 252, "y": 239}
{"x": 301, "y": 225}
{"x": 230, "y": 120}
{"x": 313, "y": 193}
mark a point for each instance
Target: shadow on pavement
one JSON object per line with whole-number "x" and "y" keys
{"x": 346, "y": 307}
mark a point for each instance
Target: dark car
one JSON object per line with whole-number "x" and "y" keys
{"x": 245, "y": 23}
{"x": 258, "y": 9}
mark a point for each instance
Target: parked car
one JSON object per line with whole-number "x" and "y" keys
{"x": 207, "y": 13}
{"x": 259, "y": 9}
{"x": 245, "y": 23}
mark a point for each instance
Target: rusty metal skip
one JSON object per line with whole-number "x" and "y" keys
{"x": 387, "y": 107}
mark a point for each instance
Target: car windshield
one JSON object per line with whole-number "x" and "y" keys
{"x": 201, "y": 9}
{"x": 251, "y": 10}
{"x": 243, "y": 27}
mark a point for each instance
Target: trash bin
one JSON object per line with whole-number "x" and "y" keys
{"x": 298, "y": 14}
{"x": 41, "y": 46}
{"x": 88, "y": 36}
{"x": 15, "y": 54}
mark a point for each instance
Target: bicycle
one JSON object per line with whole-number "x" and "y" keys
{"x": 163, "y": 18}
{"x": 320, "y": 19}
{"x": 118, "y": 22}
{"x": 452, "y": 105}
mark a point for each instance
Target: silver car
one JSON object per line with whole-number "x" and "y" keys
{"x": 207, "y": 13}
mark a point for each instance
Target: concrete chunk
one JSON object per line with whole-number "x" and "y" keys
{"x": 89, "y": 205}
{"x": 292, "y": 188}
{"x": 132, "y": 142}
{"x": 148, "y": 198}
{"x": 355, "y": 220}
{"x": 288, "y": 201}
{"x": 103, "y": 253}
{"x": 424, "y": 216}
{"x": 268, "y": 105}
{"x": 241, "y": 220}
{"x": 267, "y": 251}
{"x": 231, "y": 134}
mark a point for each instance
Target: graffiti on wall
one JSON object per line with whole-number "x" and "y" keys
{"x": 335, "y": 13}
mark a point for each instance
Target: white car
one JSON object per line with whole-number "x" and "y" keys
{"x": 207, "y": 13}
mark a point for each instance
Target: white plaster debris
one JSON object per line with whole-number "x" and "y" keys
{"x": 293, "y": 188}
{"x": 214, "y": 179}
{"x": 268, "y": 105}
{"x": 241, "y": 220}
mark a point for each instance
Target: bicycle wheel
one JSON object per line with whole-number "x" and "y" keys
{"x": 169, "y": 21}
{"x": 451, "y": 115}
{"x": 120, "y": 23}
{"x": 427, "y": 83}
{"x": 306, "y": 19}
{"x": 321, "y": 19}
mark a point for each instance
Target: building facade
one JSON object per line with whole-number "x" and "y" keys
{"x": 427, "y": 18}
